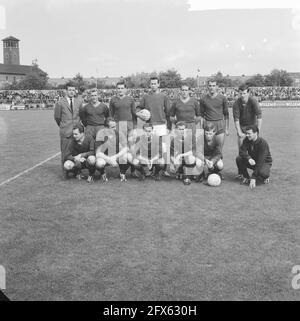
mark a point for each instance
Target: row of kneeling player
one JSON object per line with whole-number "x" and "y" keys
{"x": 147, "y": 154}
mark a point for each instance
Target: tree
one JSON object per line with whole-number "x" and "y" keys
{"x": 79, "y": 83}
{"x": 35, "y": 79}
{"x": 170, "y": 79}
{"x": 257, "y": 80}
{"x": 278, "y": 78}
{"x": 221, "y": 80}
{"x": 191, "y": 82}
{"x": 138, "y": 80}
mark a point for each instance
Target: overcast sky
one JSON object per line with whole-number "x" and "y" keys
{"x": 121, "y": 37}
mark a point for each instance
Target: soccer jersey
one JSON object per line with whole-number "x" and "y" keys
{"x": 159, "y": 106}
{"x": 94, "y": 115}
{"x": 246, "y": 113}
{"x": 258, "y": 150}
{"x": 212, "y": 150}
{"x": 185, "y": 111}
{"x": 214, "y": 108}
{"x": 86, "y": 148}
{"x": 110, "y": 141}
{"x": 122, "y": 109}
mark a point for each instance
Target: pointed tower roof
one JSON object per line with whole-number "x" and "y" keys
{"x": 10, "y": 38}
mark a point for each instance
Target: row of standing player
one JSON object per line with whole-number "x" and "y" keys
{"x": 213, "y": 108}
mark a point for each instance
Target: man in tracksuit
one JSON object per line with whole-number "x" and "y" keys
{"x": 254, "y": 154}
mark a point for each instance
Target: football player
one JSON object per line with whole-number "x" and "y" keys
{"x": 212, "y": 150}
{"x": 254, "y": 154}
{"x": 214, "y": 109}
{"x": 94, "y": 115}
{"x": 147, "y": 152}
{"x": 185, "y": 154}
{"x": 186, "y": 109}
{"x": 246, "y": 112}
{"x": 112, "y": 150}
{"x": 81, "y": 154}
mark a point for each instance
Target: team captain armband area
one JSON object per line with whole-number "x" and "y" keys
{"x": 157, "y": 241}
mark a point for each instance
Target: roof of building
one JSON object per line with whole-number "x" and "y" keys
{"x": 106, "y": 80}
{"x": 10, "y": 38}
{"x": 15, "y": 69}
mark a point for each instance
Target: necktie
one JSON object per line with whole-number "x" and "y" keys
{"x": 71, "y": 104}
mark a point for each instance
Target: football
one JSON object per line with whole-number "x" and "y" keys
{"x": 144, "y": 114}
{"x": 214, "y": 180}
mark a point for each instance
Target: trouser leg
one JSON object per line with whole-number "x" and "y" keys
{"x": 242, "y": 166}
{"x": 64, "y": 146}
{"x": 123, "y": 168}
{"x": 264, "y": 172}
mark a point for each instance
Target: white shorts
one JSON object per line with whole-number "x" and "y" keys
{"x": 160, "y": 130}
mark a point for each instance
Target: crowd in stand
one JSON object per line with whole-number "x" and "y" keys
{"x": 47, "y": 98}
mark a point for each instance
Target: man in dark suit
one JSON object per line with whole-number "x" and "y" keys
{"x": 66, "y": 115}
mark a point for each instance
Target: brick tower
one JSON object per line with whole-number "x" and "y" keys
{"x": 11, "y": 55}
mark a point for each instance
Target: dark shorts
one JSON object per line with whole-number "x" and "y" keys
{"x": 126, "y": 130}
{"x": 219, "y": 125}
{"x": 93, "y": 130}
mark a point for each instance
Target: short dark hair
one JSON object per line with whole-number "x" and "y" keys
{"x": 121, "y": 83}
{"x": 79, "y": 127}
{"x": 69, "y": 84}
{"x": 244, "y": 87}
{"x": 211, "y": 80}
{"x": 185, "y": 85}
{"x": 210, "y": 127}
{"x": 154, "y": 78}
{"x": 180, "y": 123}
{"x": 254, "y": 128}
{"x": 147, "y": 125}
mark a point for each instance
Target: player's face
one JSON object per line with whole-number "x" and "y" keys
{"x": 148, "y": 131}
{"x": 71, "y": 92}
{"x": 185, "y": 92}
{"x": 212, "y": 87}
{"x": 245, "y": 95}
{"x": 209, "y": 134}
{"x": 121, "y": 90}
{"x": 94, "y": 97}
{"x": 250, "y": 135}
{"x": 181, "y": 130}
{"x": 154, "y": 84}
{"x": 77, "y": 135}
{"x": 112, "y": 124}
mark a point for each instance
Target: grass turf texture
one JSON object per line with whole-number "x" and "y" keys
{"x": 69, "y": 240}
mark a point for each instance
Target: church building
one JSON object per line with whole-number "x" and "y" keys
{"x": 10, "y": 69}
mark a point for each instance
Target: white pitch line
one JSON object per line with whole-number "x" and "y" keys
{"x": 28, "y": 170}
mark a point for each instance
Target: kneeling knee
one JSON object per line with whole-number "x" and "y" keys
{"x": 190, "y": 160}
{"x": 91, "y": 160}
{"x": 100, "y": 163}
{"x": 199, "y": 163}
{"x": 68, "y": 165}
{"x": 220, "y": 164}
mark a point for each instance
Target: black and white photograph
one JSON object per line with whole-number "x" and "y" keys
{"x": 149, "y": 153}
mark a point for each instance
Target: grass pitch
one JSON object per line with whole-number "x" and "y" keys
{"x": 68, "y": 240}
